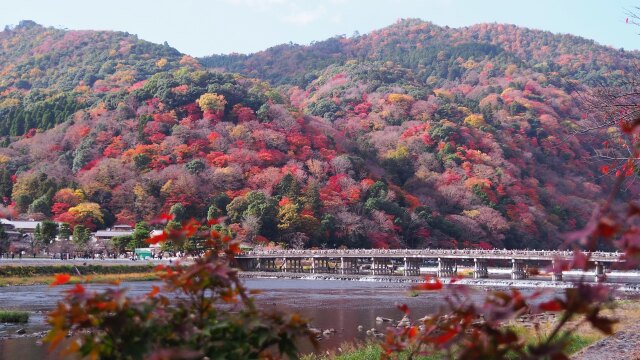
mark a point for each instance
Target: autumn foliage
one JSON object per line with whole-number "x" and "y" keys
{"x": 201, "y": 309}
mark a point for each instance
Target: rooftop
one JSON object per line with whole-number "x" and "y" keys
{"x": 24, "y": 225}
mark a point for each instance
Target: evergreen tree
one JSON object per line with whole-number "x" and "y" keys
{"x": 81, "y": 237}
{"x": 140, "y": 234}
{"x": 178, "y": 211}
{"x": 65, "y": 232}
{"x": 4, "y": 241}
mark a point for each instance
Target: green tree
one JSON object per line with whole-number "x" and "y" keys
{"x": 41, "y": 205}
{"x": 81, "y": 237}
{"x": 36, "y": 239}
{"x": 48, "y": 232}
{"x": 178, "y": 211}
{"x": 6, "y": 184}
{"x": 140, "y": 234}
{"x": 195, "y": 166}
{"x": 82, "y": 155}
{"x": 64, "y": 232}
{"x": 4, "y": 241}
{"x": 220, "y": 201}
{"x": 311, "y": 198}
{"x": 258, "y": 204}
{"x": 213, "y": 212}
{"x": 120, "y": 243}
{"x": 287, "y": 187}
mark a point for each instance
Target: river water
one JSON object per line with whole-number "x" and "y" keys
{"x": 341, "y": 305}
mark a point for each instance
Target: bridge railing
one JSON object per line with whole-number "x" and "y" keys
{"x": 534, "y": 254}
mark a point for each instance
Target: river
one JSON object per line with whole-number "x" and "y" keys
{"x": 341, "y": 305}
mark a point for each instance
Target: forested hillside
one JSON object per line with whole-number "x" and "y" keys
{"x": 411, "y": 136}
{"x": 434, "y": 53}
{"x": 47, "y": 74}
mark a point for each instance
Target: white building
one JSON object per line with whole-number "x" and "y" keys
{"x": 26, "y": 227}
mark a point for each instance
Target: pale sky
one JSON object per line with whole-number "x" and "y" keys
{"x": 200, "y": 27}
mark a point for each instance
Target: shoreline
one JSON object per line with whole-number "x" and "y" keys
{"x": 481, "y": 283}
{"x": 102, "y": 276}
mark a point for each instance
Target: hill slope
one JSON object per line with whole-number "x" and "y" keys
{"x": 431, "y": 50}
{"x": 413, "y": 135}
{"x": 47, "y": 74}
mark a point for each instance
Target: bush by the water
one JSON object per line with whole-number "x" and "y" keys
{"x": 83, "y": 269}
{"x": 14, "y": 316}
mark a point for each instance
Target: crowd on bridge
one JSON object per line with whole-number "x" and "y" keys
{"x": 600, "y": 255}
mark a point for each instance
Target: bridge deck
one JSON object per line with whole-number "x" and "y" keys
{"x": 531, "y": 255}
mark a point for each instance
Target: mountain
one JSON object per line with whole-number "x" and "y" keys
{"x": 410, "y": 136}
{"x": 47, "y": 74}
{"x": 431, "y": 50}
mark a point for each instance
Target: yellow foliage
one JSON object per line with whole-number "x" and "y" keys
{"x": 511, "y": 68}
{"x": 9, "y": 102}
{"x": 212, "y": 102}
{"x": 4, "y": 159}
{"x": 161, "y": 63}
{"x": 287, "y": 216}
{"x": 471, "y": 182}
{"x": 87, "y": 210}
{"x": 139, "y": 192}
{"x": 35, "y": 72}
{"x": 442, "y": 93}
{"x": 401, "y": 99}
{"x": 400, "y": 152}
{"x": 471, "y": 213}
{"x": 464, "y": 110}
{"x": 124, "y": 77}
{"x": 79, "y": 193}
{"x": 475, "y": 120}
{"x": 167, "y": 186}
{"x": 432, "y": 80}
{"x": 239, "y": 132}
{"x": 470, "y": 64}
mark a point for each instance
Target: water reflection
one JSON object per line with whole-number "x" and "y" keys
{"x": 341, "y": 305}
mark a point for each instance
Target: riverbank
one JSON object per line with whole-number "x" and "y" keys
{"x": 20, "y": 275}
{"x": 586, "y": 342}
{"x": 342, "y": 311}
{"x": 88, "y": 279}
{"x": 373, "y": 350}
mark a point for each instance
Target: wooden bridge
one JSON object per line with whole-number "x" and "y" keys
{"x": 385, "y": 262}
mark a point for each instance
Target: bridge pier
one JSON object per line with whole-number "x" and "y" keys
{"x": 411, "y": 267}
{"x": 480, "y": 269}
{"x": 292, "y": 265}
{"x": 447, "y": 267}
{"x": 348, "y": 265}
{"x": 600, "y": 275}
{"x": 267, "y": 264}
{"x": 556, "y": 274}
{"x": 518, "y": 270}
{"x": 328, "y": 267}
{"x": 320, "y": 265}
{"x": 379, "y": 266}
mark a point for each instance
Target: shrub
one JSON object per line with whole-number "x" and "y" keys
{"x": 202, "y": 310}
{"x": 14, "y": 316}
